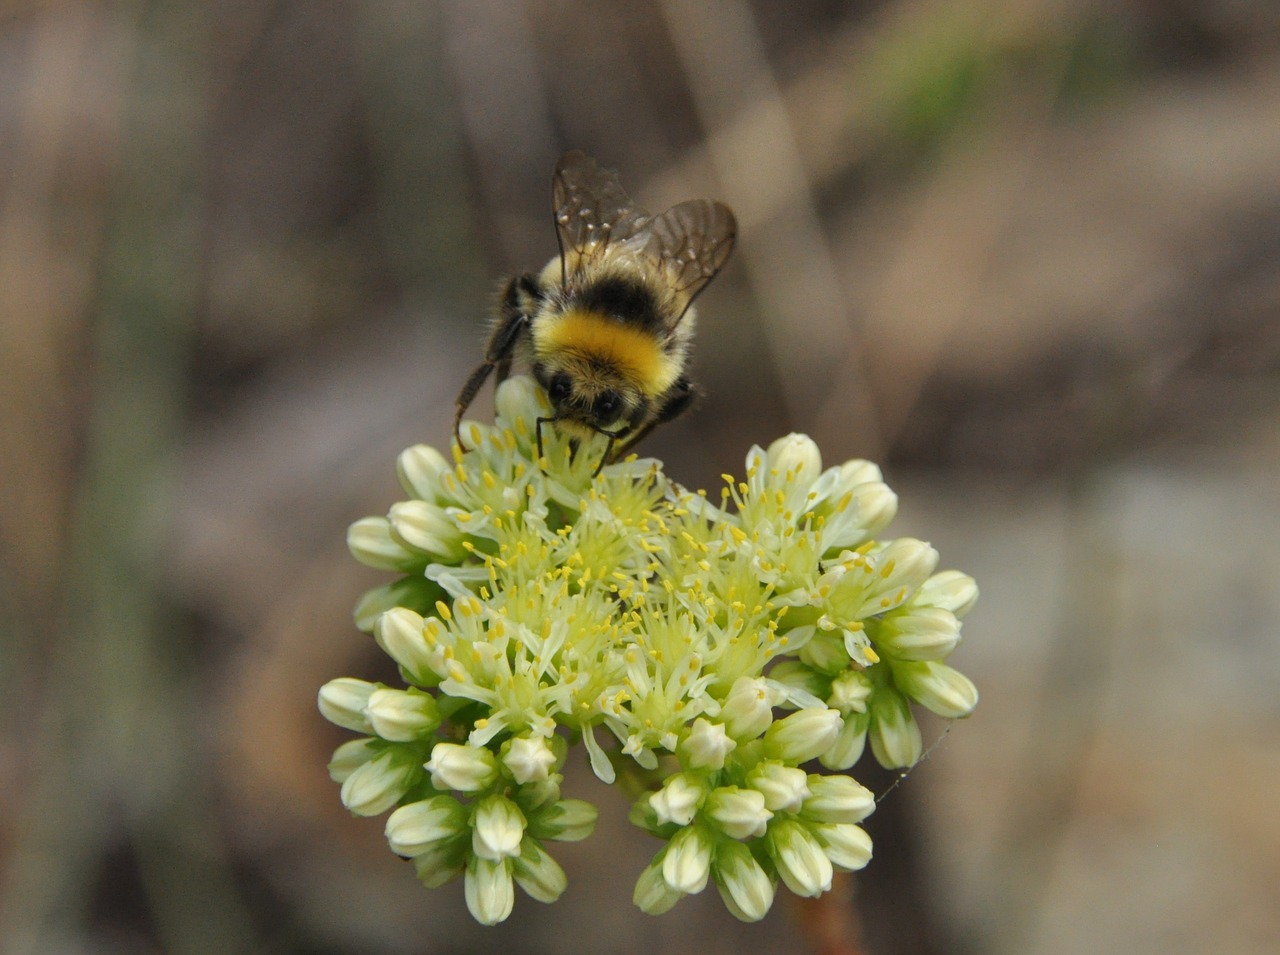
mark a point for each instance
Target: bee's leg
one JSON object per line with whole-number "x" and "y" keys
{"x": 513, "y": 322}
{"x": 678, "y": 400}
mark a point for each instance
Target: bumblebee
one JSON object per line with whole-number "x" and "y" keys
{"x": 605, "y": 327}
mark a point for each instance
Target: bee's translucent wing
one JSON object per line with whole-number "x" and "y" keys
{"x": 592, "y": 211}
{"x": 691, "y": 242}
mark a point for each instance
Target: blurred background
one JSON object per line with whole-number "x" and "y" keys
{"x": 1024, "y": 253}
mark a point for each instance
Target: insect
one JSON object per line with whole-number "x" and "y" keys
{"x": 605, "y": 327}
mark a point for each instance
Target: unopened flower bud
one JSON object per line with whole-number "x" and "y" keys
{"x": 343, "y": 701}
{"x": 402, "y": 715}
{"x": 464, "y": 768}
{"x": 687, "y": 864}
{"x": 489, "y": 890}
{"x": 803, "y": 735}
{"x": 744, "y": 886}
{"x": 740, "y": 813}
{"x": 498, "y": 827}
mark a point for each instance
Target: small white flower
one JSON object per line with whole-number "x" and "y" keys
{"x": 498, "y": 827}
{"x": 376, "y": 786}
{"x": 464, "y": 768}
{"x": 652, "y": 894}
{"x": 949, "y": 590}
{"x": 687, "y": 864}
{"x": 419, "y": 469}
{"x": 350, "y": 756}
{"x": 748, "y": 709}
{"x": 371, "y": 542}
{"x": 784, "y": 787}
{"x": 343, "y": 701}
{"x": 537, "y": 873}
{"x": 846, "y": 845}
{"x": 837, "y": 799}
{"x": 924, "y": 633}
{"x": 802, "y": 863}
{"x": 489, "y": 890}
{"x": 707, "y": 745}
{"x": 850, "y": 692}
{"x": 678, "y": 799}
{"x": 425, "y": 527}
{"x": 415, "y": 828}
{"x": 937, "y": 687}
{"x": 529, "y": 759}
{"x": 568, "y": 820}
{"x": 803, "y": 735}
{"x": 744, "y": 886}
{"x": 402, "y": 715}
{"x": 895, "y": 735}
{"x": 399, "y": 633}
{"x": 740, "y": 813}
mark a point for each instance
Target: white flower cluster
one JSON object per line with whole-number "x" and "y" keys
{"x": 705, "y": 650}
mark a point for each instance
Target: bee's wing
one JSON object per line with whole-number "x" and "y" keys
{"x": 691, "y": 242}
{"x": 592, "y": 211}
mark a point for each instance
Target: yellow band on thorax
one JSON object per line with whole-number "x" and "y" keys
{"x": 596, "y": 337}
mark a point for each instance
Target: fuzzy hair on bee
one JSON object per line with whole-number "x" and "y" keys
{"x": 605, "y": 327}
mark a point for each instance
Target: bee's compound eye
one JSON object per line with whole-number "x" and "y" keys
{"x": 559, "y": 387}
{"x": 607, "y": 405}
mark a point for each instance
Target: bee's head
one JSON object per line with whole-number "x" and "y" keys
{"x": 590, "y": 394}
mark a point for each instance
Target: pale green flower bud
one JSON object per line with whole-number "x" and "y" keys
{"x": 826, "y": 653}
{"x": 687, "y": 864}
{"x": 425, "y": 527}
{"x": 520, "y": 397}
{"x": 895, "y": 735}
{"x": 378, "y": 785}
{"x": 802, "y": 863}
{"x": 926, "y": 633}
{"x": 489, "y": 890}
{"x": 784, "y": 787}
{"x": 540, "y": 796}
{"x": 419, "y": 469}
{"x": 498, "y": 827}
{"x": 803, "y": 735}
{"x": 370, "y": 542}
{"x": 350, "y": 756}
{"x": 678, "y": 799}
{"x": 464, "y": 768}
{"x": 837, "y": 799}
{"x": 707, "y": 745}
{"x": 850, "y": 744}
{"x": 537, "y": 873}
{"x": 529, "y": 759}
{"x": 569, "y": 820}
{"x": 413, "y": 829}
{"x": 748, "y": 709}
{"x": 400, "y": 634}
{"x": 343, "y": 701}
{"x": 795, "y": 454}
{"x": 850, "y": 692}
{"x": 937, "y": 687}
{"x": 847, "y": 846}
{"x": 949, "y": 590}
{"x": 402, "y": 715}
{"x": 652, "y": 895}
{"x": 441, "y": 863}
{"x": 877, "y": 506}
{"x": 740, "y": 813}
{"x": 744, "y": 886}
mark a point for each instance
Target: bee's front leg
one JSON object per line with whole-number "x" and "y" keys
{"x": 515, "y": 312}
